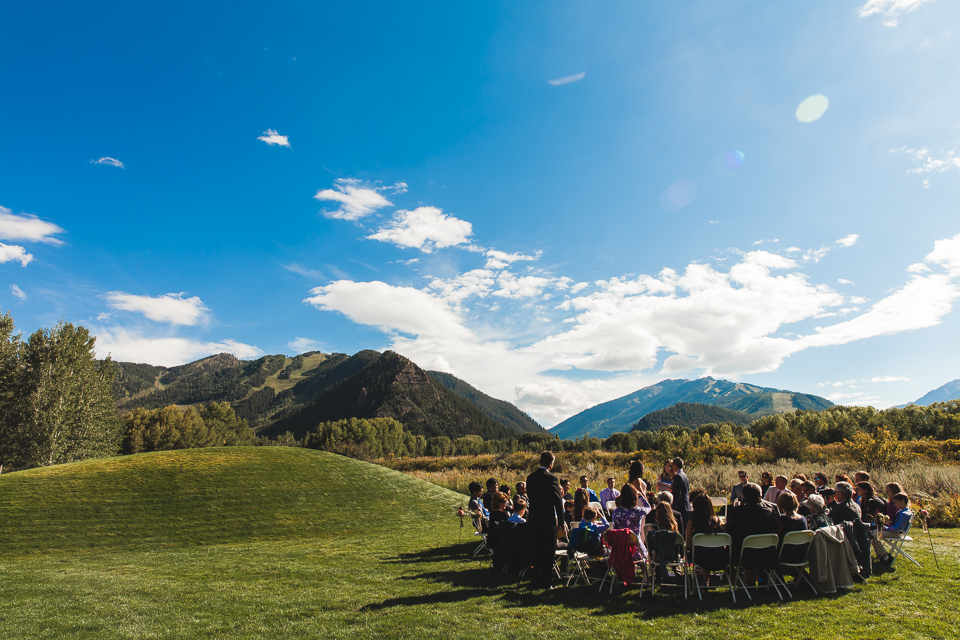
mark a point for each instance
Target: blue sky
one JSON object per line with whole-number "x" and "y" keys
{"x": 559, "y": 202}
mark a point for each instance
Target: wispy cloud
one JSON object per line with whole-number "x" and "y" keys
{"x": 27, "y": 227}
{"x": 302, "y": 345}
{"x": 110, "y": 162}
{"x": 424, "y": 228}
{"x": 274, "y": 139}
{"x": 848, "y": 241}
{"x": 14, "y": 253}
{"x": 133, "y": 346}
{"x": 890, "y": 9}
{"x": 502, "y": 259}
{"x": 357, "y": 199}
{"x": 170, "y": 307}
{"x": 18, "y": 293}
{"x": 306, "y": 272}
{"x": 577, "y": 77}
{"x": 927, "y": 162}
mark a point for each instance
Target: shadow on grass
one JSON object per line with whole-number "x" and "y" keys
{"x": 474, "y": 578}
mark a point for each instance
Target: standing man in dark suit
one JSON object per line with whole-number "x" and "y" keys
{"x": 546, "y": 514}
{"x": 681, "y": 492}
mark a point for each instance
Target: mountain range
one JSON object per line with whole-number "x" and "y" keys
{"x": 949, "y": 391}
{"x": 621, "y": 414}
{"x": 276, "y": 394}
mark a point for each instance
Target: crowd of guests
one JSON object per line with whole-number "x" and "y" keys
{"x": 778, "y": 505}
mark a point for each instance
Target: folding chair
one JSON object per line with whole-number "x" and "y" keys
{"x": 667, "y": 550}
{"x": 614, "y": 560}
{"x": 720, "y": 502}
{"x": 794, "y": 554}
{"x": 895, "y": 545}
{"x": 611, "y": 505}
{"x": 478, "y": 524}
{"x": 711, "y": 552}
{"x": 759, "y": 553}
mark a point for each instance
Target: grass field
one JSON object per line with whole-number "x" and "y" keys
{"x": 277, "y": 542}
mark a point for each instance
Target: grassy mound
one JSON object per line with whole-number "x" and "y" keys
{"x": 206, "y": 496}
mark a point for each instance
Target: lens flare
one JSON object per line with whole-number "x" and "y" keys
{"x": 680, "y": 194}
{"x": 728, "y": 163}
{"x": 812, "y": 108}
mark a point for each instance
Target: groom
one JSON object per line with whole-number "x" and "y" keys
{"x": 546, "y": 515}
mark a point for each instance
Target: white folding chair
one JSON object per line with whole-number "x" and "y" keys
{"x": 720, "y": 502}
{"x": 715, "y": 551}
{"x": 678, "y": 562}
{"x": 794, "y": 554}
{"x": 611, "y": 505}
{"x": 895, "y": 545}
{"x": 759, "y": 553}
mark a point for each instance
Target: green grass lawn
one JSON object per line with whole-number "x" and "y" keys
{"x": 289, "y": 543}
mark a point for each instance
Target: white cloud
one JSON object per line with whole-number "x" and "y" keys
{"x": 27, "y": 227}
{"x": 844, "y": 281}
{"x": 918, "y": 267}
{"x": 424, "y": 228}
{"x": 110, "y": 162}
{"x": 14, "y": 253}
{"x": 274, "y": 139}
{"x": 889, "y": 379}
{"x": 502, "y": 259}
{"x": 477, "y": 282}
{"x": 946, "y": 253}
{"x": 848, "y": 241}
{"x": 132, "y": 346}
{"x": 580, "y": 286}
{"x": 577, "y": 77}
{"x": 302, "y": 345}
{"x": 946, "y": 160}
{"x": 891, "y": 9}
{"x": 18, "y": 293}
{"x": 357, "y": 199}
{"x": 170, "y": 307}
{"x": 513, "y": 286}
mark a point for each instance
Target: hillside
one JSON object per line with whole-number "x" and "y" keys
{"x": 276, "y": 394}
{"x": 499, "y": 410}
{"x": 949, "y": 391}
{"x": 690, "y": 415}
{"x": 621, "y": 414}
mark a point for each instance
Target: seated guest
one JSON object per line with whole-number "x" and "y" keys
{"x": 568, "y": 513}
{"x": 795, "y": 486}
{"x": 844, "y": 509}
{"x": 492, "y": 488}
{"x": 665, "y": 518}
{"x": 766, "y": 481}
{"x": 667, "y": 497}
{"x": 565, "y": 489}
{"x": 799, "y": 476}
{"x": 842, "y": 477}
{"x": 807, "y": 489}
{"x": 609, "y": 494}
{"x": 820, "y": 480}
{"x": 780, "y": 485}
{"x": 519, "y": 511}
{"x": 738, "y": 488}
{"x": 892, "y": 489}
{"x": 870, "y": 505}
{"x": 818, "y": 518}
{"x": 790, "y": 520}
{"x": 521, "y": 491}
{"x": 498, "y": 507}
{"x": 590, "y": 493}
{"x": 896, "y": 528}
{"x": 702, "y": 518}
{"x": 593, "y": 518}
{"x": 861, "y": 476}
{"x": 665, "y": 481}
{"x": 750, "y": 517}
{"x": 475, "y": 506}
{"x": 505, "y": 490}
{"x": 580, "y": 502}
{"x": 630, "y": 515}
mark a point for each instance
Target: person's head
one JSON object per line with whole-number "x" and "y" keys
{"x": 506, "y": 490}
{"x": 568, "y": 505}
{"x": 743, "y": 476}
{"x": 702, "y": 510}
{"x": 815, "y": 503}
{"x": 667, "y": 468}
{"x": 842, "y": 477}
{"x": 828, "y": 494}
{"x": 795, "y": 485}
{"x": 583, "y": 481}
{"x": 766, "y": 478}
{"x": 547, "y": 459}
{"x": 665, "y": 496}
{"x": 475, "y": 489}
{"x": 788, "y": 503}
{"x": 781, "y": 482}
{"x": 521, "y": 488}
{"x": 610, "y": 483}
{"x": 865, "y": 490}
{"x": 820, "y": 478}
{"x": 590, "y": 514}
{"x": 892, "y": 489}
{"x": 901, "y": 501}
{"x": 636, "y": 469}
{"x": 751, "y": 493}
{"x": 807, "y": 488}
{"x": 519, "y": 506}
{"x": 843, "y": 491}
{"x": 694, "y": 493}
{"x": 580, "y": 501}
{"x": 677, "y": 463}
{"x": 861, "y": 476}
{"x": 628, "y": 497}
{"x": 664, "y": 516}
{"x": 799, "y": 476}
{"x": 565, "y": 485}
{"x": 498, "y": 501}
{"x": 492, "y": 485}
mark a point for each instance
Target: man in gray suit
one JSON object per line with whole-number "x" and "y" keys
{"x": 546, "y": 514}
